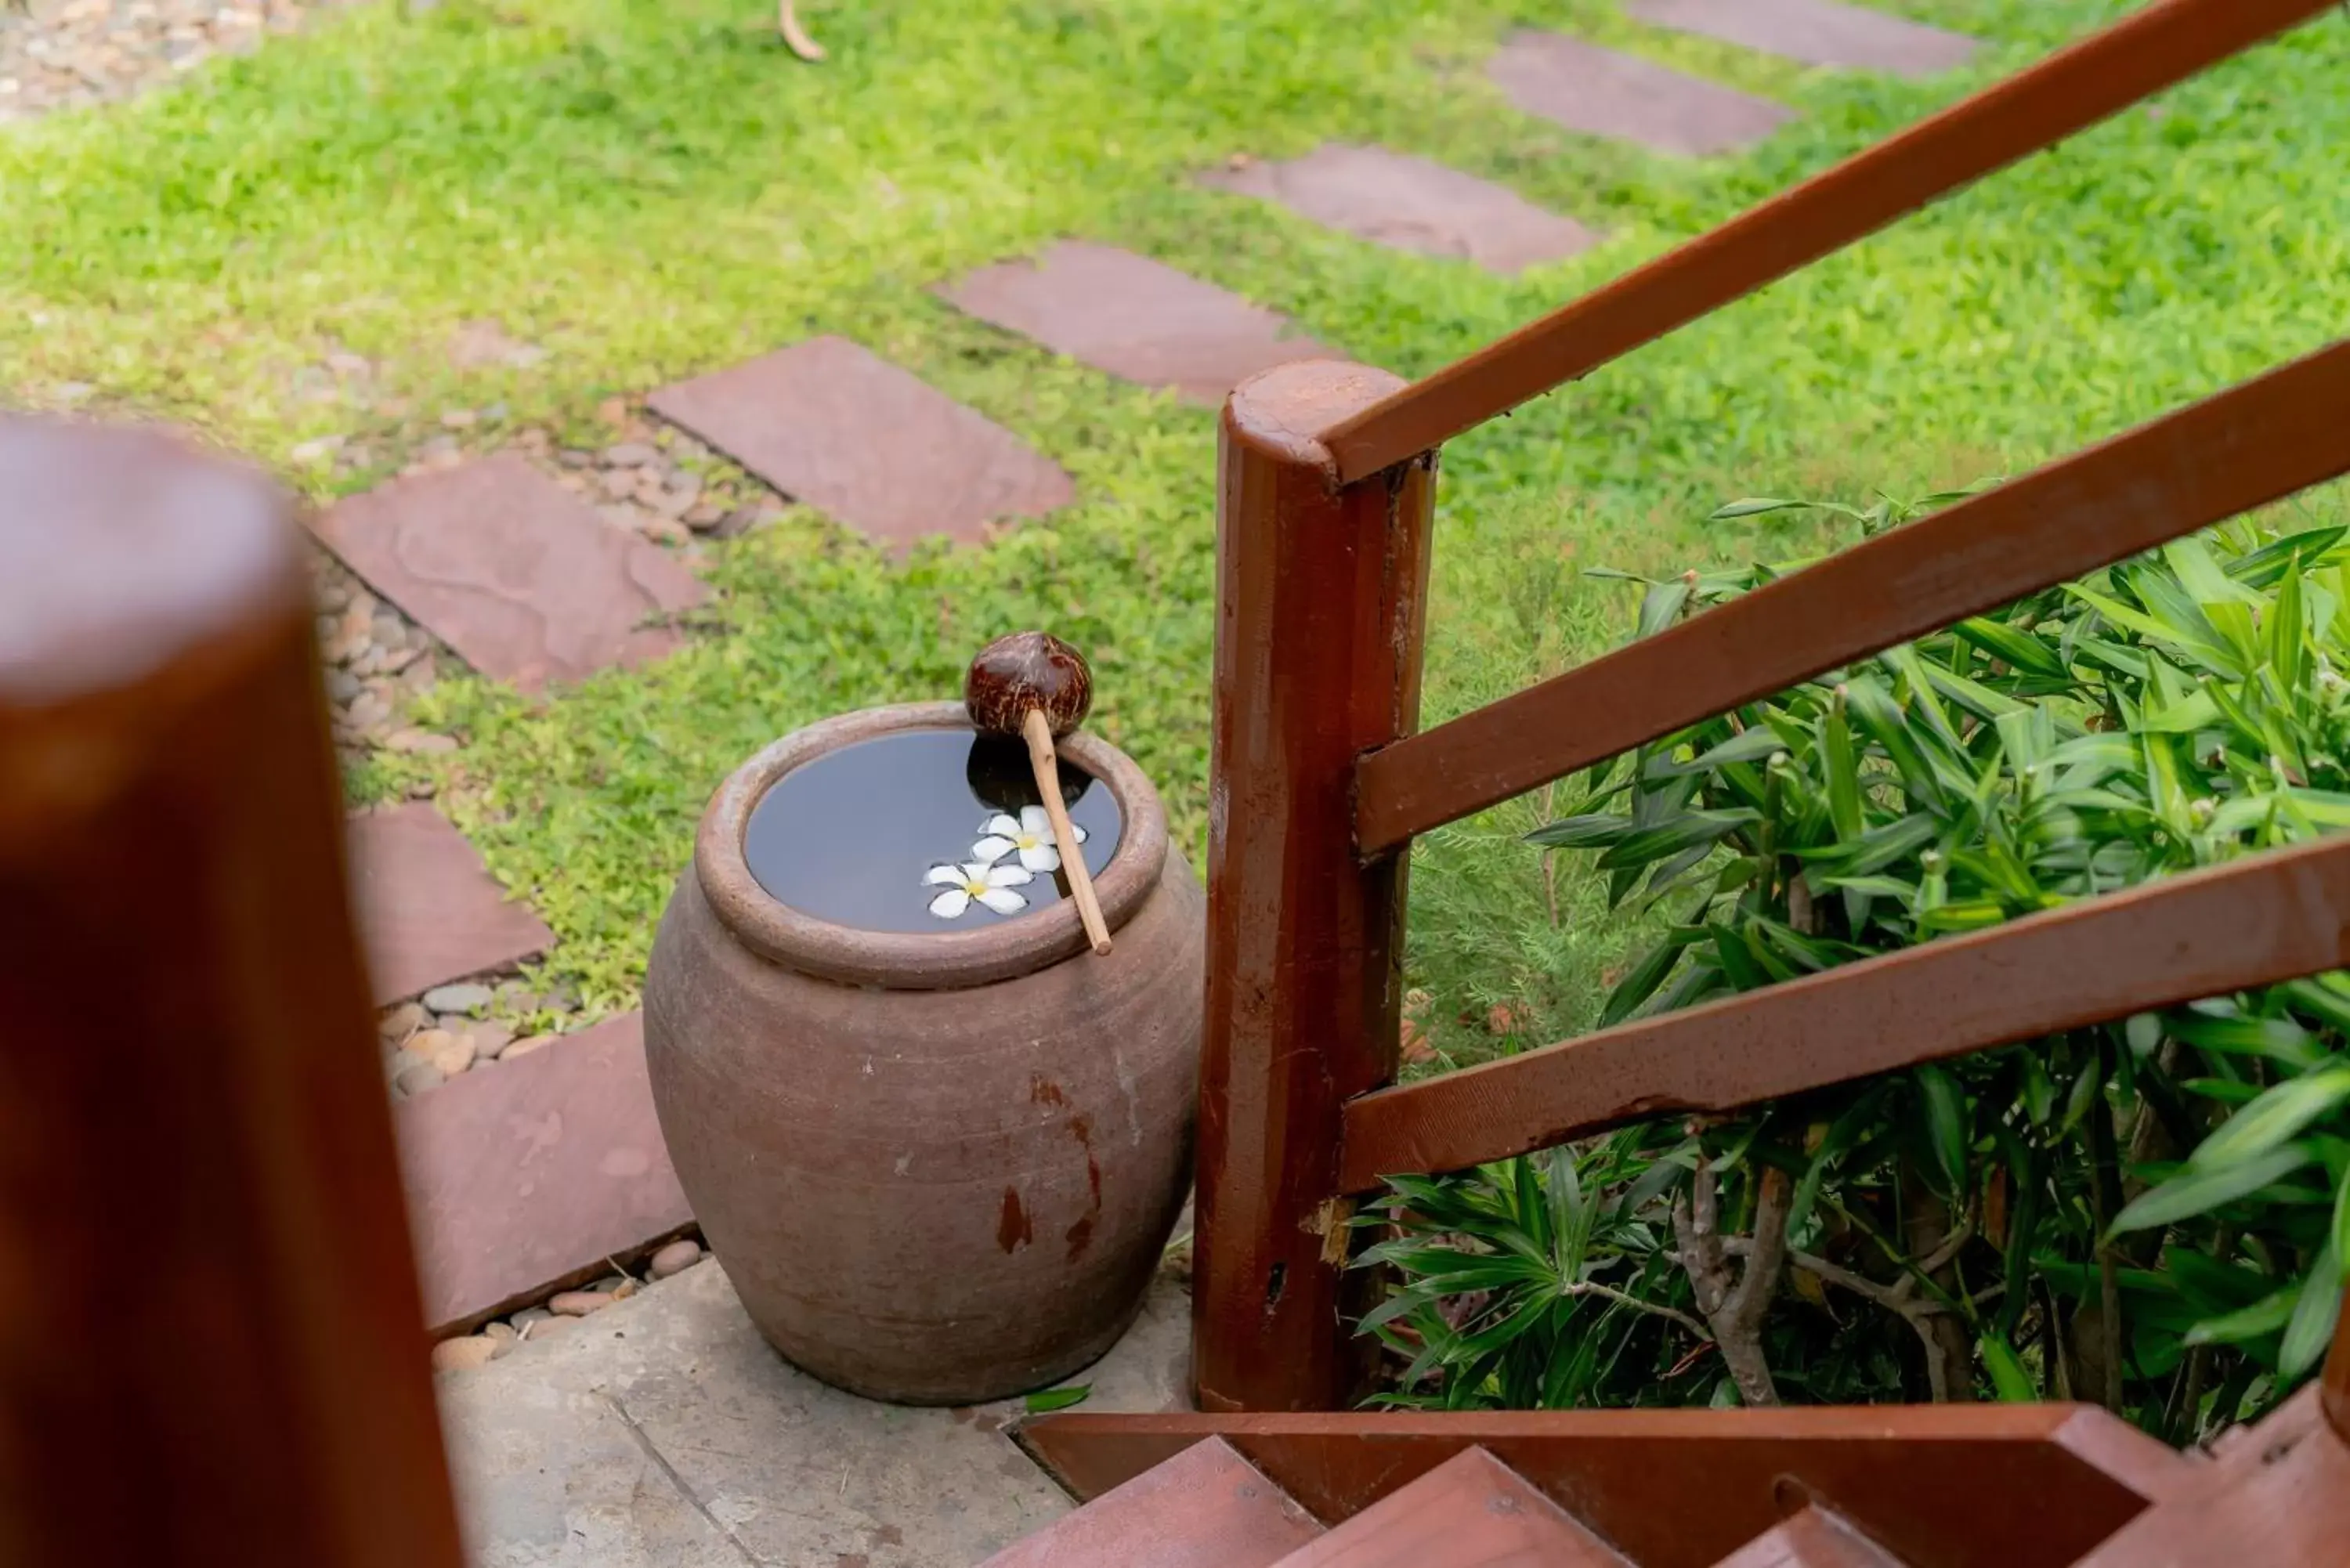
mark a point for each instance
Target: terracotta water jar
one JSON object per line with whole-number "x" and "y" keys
{"x": 939, "y": 1167}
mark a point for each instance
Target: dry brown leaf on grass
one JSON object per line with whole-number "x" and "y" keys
{"x": 796, "y": 37}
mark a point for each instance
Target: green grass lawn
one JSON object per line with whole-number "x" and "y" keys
{"x": 651, "y": 192}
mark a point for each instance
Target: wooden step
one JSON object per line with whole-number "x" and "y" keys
{"x": 1471, "y": 1511}
{"x": 1206, "y": 1508}
{"x": 1960, "y": 1486}
{"x": 1814, "y": 1538}
{"x": 2275, "y": 1493}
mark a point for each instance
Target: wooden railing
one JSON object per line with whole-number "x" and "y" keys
{"x": 1326, "y": 478}
{"x": 212, "y": 1348}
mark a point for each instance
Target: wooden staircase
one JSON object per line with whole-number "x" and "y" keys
{"x": 2010, "y": 1486}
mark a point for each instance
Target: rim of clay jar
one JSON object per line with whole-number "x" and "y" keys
{"x": 918, "y": 961}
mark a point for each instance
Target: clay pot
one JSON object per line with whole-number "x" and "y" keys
{"x": 939, "y": 1168}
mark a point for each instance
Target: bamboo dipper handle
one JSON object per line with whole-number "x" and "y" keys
{"x": 1047, "y": 763}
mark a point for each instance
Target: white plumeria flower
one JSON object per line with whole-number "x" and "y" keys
{"x": 990, "y": 885}
{"x": 1031, "y": 833}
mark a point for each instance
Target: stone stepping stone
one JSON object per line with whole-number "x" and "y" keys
{"x": 868, "y": 443}
{"x": 1602, "y": 93}
{"x": 526, "y": 1177}
{"x": 515, "y": 572}
{"x": 1816, "y": 32}
{"x": 428, "y": 910}
{"x": 1413, "y": 204}
{"x": 1134, "y": 317}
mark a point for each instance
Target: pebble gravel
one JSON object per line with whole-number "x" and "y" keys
{"x": 70, "y": 53}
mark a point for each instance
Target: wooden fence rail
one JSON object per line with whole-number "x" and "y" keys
{"x": 2242, "y": 447}
{"x": 2151, "y": 49}
{"x": 2270, "y": 918}
{"x": 1319, "y": 782}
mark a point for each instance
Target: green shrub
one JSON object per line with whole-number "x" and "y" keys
{"x": 2154, "y": 1214}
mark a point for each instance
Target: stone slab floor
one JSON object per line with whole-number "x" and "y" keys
{"x": 663, "y": 1431}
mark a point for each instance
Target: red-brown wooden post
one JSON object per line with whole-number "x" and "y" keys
{"x": 212, "y": 1346}
{"x": 1320, "y": 595}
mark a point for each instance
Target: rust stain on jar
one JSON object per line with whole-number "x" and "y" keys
{"x": 1044, "y": 1092}
{"x": 1013, "y": 1231}
{"x": 1080, "y": 1235}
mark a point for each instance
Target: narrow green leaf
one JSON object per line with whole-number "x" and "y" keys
{"x": 1841, "y": 1134}
{"x": 1756, "y": 506}
{"x": 1874, "y": 887}
{"x": 1528, "y": 1205}
{"x": 2278, "y": 1114}
{"x": 2009, "y": 1378}
{"x": 2195, "y": 710}
{"x": 1843, "y": 771}
{"x": 1918, "y": 679}
{"x": 2340, "y": 1231}
{"x": 2086, "y": 1091}
{"x": 1971, "y": 694}
{"x": 2227, "y": 1091}
{"x": 1876, "y": 850}
{"x": 1488, "y": 1340}
{"x": 1388, "y": 1310}
{"x": 1877, "y": 715}
{"x": 1738, "y": 965}
{"x": 2027, "y": 737}
{"x": 1662, "y": 605}
{"x": 2264, "y": 565}
{"x": 2311, "y": 1328}
{"x": 2287, "y": 635}
{"x": 1642, "y": 981}
{"x": 2166, "y": 792}
{"x": 1945, "y": 1106}
{"x": 1570, "y": 1212}
{"x": 2198, "y": 640}
{"x": 2190, "y": 558}
{"x": 2038, "y": 1088}
{"x": 1756, "y": 745}
{"x": 2020, "y": 649}
{"x": 1581, "y": 832}
{"x": 2280, "y": 1038}
{"x": 1047, "y": 1400}
{"x": 1690, "y": 829}
{"x": 2265, "y": 1317}
{"x": 2217, "y": 633}
{"x": 2193, "y": 1192}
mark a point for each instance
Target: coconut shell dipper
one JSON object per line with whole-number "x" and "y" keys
{"x": 1033, "y": 685}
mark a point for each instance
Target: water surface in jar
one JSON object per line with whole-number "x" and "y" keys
{"x": 921, "y": 830}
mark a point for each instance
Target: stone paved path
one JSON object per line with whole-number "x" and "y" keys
{"x": 833, "y": 424}
{"x": 1816, "y": 32}
{"x": 1410, "y": 203}
{"x": 1139, "y": 319}
{"x": 518, "y": 575}
{"x": 1603, "y": 93}
{"x": 428, "y": 911}
{"x": 539, "y": 1177}
{"x": 662, "y": 1432}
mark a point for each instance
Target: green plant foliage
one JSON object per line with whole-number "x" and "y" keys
{"x": 1045, "y": 1401}
{"x": 2154, "y": 1212}
{"x": 1573, "y": 1281}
